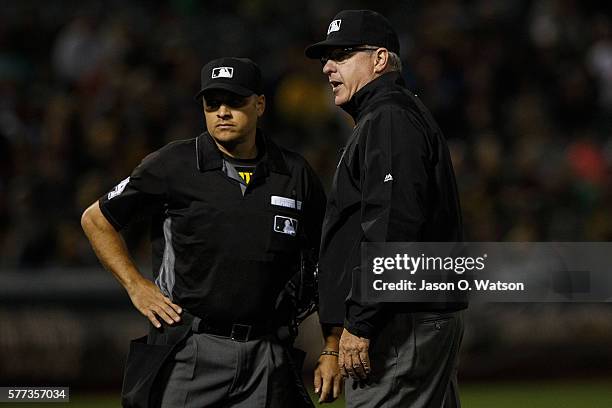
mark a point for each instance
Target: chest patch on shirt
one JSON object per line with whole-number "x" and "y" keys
{"x": 285, "y": 225}
{"x": 245, "y": 172}
{"x": 286, "y": 202}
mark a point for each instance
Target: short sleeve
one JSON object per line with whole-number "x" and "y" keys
{"x": 141, "y": 194}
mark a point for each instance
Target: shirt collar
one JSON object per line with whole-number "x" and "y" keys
{"x": 209, "y": 157}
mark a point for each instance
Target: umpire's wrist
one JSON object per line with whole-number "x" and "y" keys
{"x": 330, "y": 353}
{"x": 362, "y": 331}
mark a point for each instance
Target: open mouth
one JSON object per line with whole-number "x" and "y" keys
{"x": 335, "y": 84}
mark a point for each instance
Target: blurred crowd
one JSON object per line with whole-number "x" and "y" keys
{"x": 521, "y": 89}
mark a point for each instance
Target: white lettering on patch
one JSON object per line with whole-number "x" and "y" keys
{"x": 286, "y": 202}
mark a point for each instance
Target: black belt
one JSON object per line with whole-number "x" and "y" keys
{"x": 233, "y": 331}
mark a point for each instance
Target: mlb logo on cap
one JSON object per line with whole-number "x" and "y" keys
{"x": 334, "y": 26}
{"x": 222, "y": 72}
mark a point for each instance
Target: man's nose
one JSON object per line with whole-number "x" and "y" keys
{"x": 329, "y": 67}
{"x": 223, "y": 111}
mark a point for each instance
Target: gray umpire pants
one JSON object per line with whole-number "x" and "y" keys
{"x": 414, "y": 364}
{"x": 214, "y": 371}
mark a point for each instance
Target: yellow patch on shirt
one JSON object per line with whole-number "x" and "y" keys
{"x": 246, "y": 176}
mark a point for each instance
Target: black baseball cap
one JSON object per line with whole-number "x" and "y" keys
{"x": 356, "y": 27}
{"x": 238, "y": 75}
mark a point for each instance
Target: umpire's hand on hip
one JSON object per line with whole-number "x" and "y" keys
{"x": 354, "y": 360}
{"x": 152, "y": 303}
{"x": 113, "y": 254}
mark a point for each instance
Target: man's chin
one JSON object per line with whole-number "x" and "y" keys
{"x": 226, "y": 135}
{"x": 227, "y": 139}
{"x": 340, "y": 100}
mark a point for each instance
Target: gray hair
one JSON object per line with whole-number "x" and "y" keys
{"x": 394, "y": 63}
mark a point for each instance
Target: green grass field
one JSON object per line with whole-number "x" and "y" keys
{"x": 583, "y": 394}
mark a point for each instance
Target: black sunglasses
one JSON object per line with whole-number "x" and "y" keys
{"x": 212, "y": 103}
{"x": 341, "y": 54}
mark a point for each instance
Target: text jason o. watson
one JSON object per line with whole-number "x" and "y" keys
{"x": 462, "y": 285}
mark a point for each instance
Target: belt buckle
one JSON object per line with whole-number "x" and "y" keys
{"x": 240, "y": 332}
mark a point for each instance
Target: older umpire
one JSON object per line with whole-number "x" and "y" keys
{"x": 394, "y": 182}
{"x": 233, "y": 218}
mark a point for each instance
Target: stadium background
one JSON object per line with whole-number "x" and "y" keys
{"x": 522, "y": 90}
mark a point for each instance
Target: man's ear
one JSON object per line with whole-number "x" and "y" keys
{"x": 260, "y": 104}
{"x": 381, "y": 60}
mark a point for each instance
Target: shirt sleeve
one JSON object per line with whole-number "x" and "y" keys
{"x": 314, "y": 211}
{"x": 142, "y": 194}
{"x": 395, "y": 158}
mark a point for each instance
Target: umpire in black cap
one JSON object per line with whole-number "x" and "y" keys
{"x": 235, "y": 227}
{"x": 394, "y": 183}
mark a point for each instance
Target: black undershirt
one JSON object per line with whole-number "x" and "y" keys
{"x": 244, "y": 167}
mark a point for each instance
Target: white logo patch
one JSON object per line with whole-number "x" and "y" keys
{"x": 285, "y": 225}
{"x": 286, "y": 202}
{"x": 334, "y": 26}
{"x": 223, "y": 72}
{"x": 388, "y": 177}
{"x": 118, "y": 189}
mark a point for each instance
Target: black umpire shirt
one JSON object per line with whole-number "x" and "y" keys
{"x": 222, "y": 248}
{"x": 394, "y": 183}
